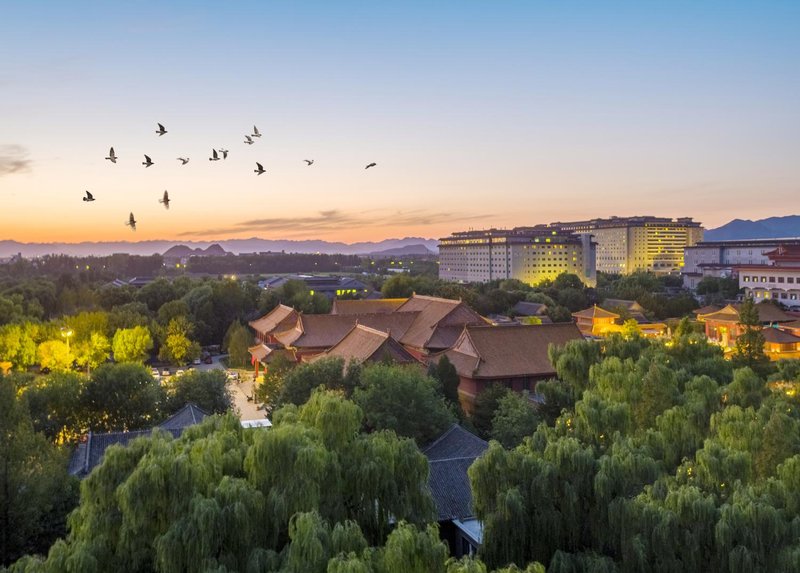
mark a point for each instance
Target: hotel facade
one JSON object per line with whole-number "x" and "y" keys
{"x": 629, "y": 244}
{"x": 529, "y": 254}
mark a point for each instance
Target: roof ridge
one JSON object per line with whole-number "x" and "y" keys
{"x": 440, "y": 438}
{"x": 473, "y": 458}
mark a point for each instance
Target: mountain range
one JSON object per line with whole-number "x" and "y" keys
{"x": 405, "y": 246}
{"x": 770, "y": 228}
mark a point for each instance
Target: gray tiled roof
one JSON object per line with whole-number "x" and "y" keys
{"x": 449, "y": 458}
{"x": 90, "y": 453}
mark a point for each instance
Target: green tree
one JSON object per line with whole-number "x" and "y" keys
{"x": 55, "y": 355}
{"x": 447, "y": 376}
{"x": 35, "y": 491}
{"x": 238, "y": 339}
{"x": 750, "y": 342}
{"x": 177, "y": 347}
{"x": 402, "y": 399}
{"x": 485, "y": 407}
{"x": 299, "y": 382}
{"x": 132, "y": 344}
{"x": 514, "y": 419}
{"x": 122, "y": 397}
{"x": 18, "y": 345}
{"x": 55, "y": 406}
{"x": 208, "y": 390}
{"x": 92, "y": 352}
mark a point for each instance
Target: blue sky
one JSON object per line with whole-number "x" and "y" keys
{"x": 477, "y": 113}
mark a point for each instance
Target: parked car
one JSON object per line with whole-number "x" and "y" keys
{"x": 154, "y": 372}
{"x": 165, "y": 372}
{"x": 196, "y": 361}
{"x": 233, "y": 375}
{"x": 208, "y": 360}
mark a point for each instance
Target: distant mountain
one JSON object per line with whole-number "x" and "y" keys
{"x": 404, "y": 251}
{"x": 237, "y": 246}
{"x": 771, "y": 228}
{"x": 182, "y": 251}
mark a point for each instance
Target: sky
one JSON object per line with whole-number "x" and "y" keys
{"x": 477, "y": 113}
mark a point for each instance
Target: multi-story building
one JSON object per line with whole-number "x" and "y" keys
{"x": 721, "y": 258}
{"x": 629, "y": 244}
{"x": 779, "y": 280}
{"x": 530, "y": 254}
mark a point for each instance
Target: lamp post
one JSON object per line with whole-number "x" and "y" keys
{"x": 66, "y": 332}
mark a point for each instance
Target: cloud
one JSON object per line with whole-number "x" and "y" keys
{"x": 335, "y": 220}
{"x": 13, "y": 159}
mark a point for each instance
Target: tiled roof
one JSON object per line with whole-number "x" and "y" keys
{"x": 520, "y": 351}
{"x": 594, "y": 312}
{"x": 279, "y": 318}
{"x": 363, "y": 343}
{"x": 767, "y": 312}
{"x": 435, "y": 312}
{"x": 630, "y": 305}
{"x": 367, "y": 306}
{"x": 794, "y": 325}
{"x": 189, "y": 415}
{"x": 524, "y": 308}
{"x": 778, "y": 336}
{"x": 90, "y": 453}
{"x": 711, "y": 308}
{"x": 325, "y": 330}
{"x": 455, "y": 442}
{"x": 449, "y": 458}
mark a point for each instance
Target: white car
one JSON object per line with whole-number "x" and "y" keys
{"x": 154, "y": 372}
{"x": 179, "y": 373}
{"x": 233, "y": 375}
{"x": 165, "y": 372}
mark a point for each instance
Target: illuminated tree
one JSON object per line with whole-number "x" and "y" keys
{"x": 92, "y": 352}
{"x": 55, "y": 355}
{"x": 132, "y": 344}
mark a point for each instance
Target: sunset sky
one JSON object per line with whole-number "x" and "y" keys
{"x": 477, "y": 113}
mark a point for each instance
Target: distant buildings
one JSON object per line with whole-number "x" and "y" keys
{"x": 778, "y": 280}
{"x": 525, "y": 253}
{"x": 629, "y": 244}
{"x": 722, "y": 258}
{"x": 328, "y": 285}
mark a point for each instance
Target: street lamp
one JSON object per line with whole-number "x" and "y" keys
{"x": 66, "y": 332}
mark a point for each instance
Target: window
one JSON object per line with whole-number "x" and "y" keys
{"x": 746, "y": 279}
{"x": 780, "y": 279}
{"x": 790, "y": 280}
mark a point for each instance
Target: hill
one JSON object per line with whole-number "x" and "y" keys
{"x": 770, "y": 228}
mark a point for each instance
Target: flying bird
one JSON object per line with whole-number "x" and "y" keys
{"x": 161, "y": 131}
{"x": 224, "y": 153}
{"x": 131, "y": 222}
{"x": 183, "y": 160}
{"x": 89, "y": 197}
{"x": 165, "y": 200}
{"x": 370, "y": 165}
{"x": 309, "y": 161}
{"x": 111, "y": 156}
{"x": 214, "y": 156}
{"x": 147, "y": 161}
{"x": 256, "y": 133}
{"x": 248, "y": 140}
{"x": 260, "y": 169}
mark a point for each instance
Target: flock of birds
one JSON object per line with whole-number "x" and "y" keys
{"x": 215, "y": 156}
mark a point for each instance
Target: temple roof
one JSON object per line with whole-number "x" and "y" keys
{"x": 594, "y": 312}
{"x": 367, "y": 306}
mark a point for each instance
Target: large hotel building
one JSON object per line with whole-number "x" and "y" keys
{"x": 630, "y": 244}
{"x": 530, "y": 254}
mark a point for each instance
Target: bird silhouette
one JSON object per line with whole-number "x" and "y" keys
{"x": 165, "y": 200}
{"x": 260, "y": 169}
{"x": 256, "y": 133}
{"x": 224, "y": 153}
{"x": 89, "y": 197}
{"x": 111, "y": 156}
{"x": 309, "y": 161}
{"x": 248, "y": 140}
{"x": 131, "y": 222}
{"x": 161, "y": 131}
{"x": 147, "y": 161}
{"x": 370, "y": 165}
{"x": 183, "y": 160}
{"x": 214, "y": 156}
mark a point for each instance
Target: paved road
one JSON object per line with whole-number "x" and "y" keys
{"x": 240, "y": 390}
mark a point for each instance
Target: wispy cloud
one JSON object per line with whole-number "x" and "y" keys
{"x": 335, "y": 220}
{"x": 13, "y": 159}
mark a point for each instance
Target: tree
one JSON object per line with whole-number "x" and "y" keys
{"x": 514, "y": 419}
{"x": 299, "y": 382}
{"x": 178, "y": 348}
{"x": 446, "y": 374}
{"x": 35, "y": 491}
{"x": 750, "y": 342}
{"x": 398, "y": 286}
{"x": 55, "y": 355}
{"x": 208, "y": 390}
{"x": 485, "y": 407}
{"x": 122, "y": 397}
{"x": 18, "y": 345}
{"x": 404, "y": 400}
{"x": 55, "y": 406}
{"x": 237, "y": 342}
{"x": 271, "y": 386}
{"x": 132, "y": 344}
{"x": 92, "y": 352}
